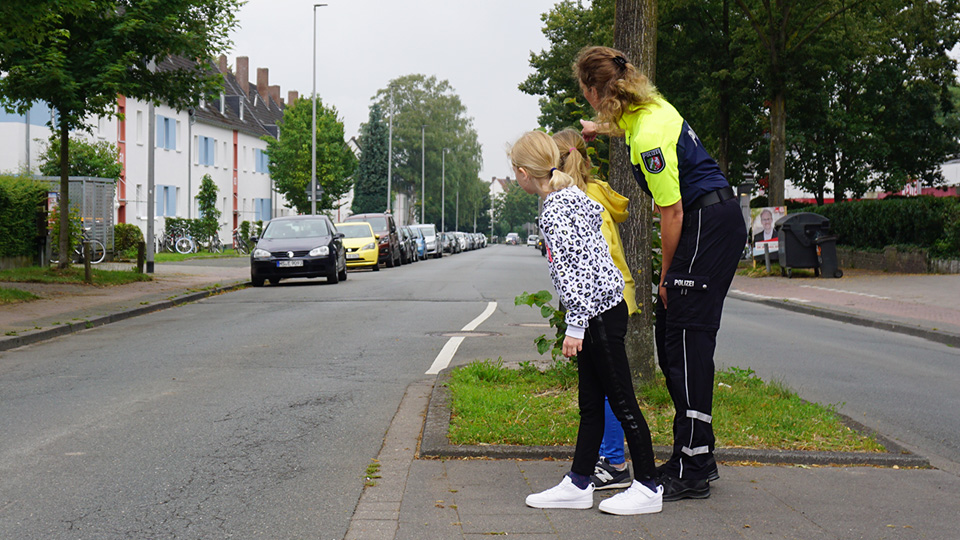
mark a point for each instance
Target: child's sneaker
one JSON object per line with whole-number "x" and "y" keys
{"x": 563, "y": 495}
{"x": 637, "y": 499}
{"x": 606, "y": 476}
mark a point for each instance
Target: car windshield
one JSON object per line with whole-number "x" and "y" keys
{"x": 355, "y": 230}
{"x": 427, "y": 230}
{"x": 378, "y": 223}
{"x": 300, "y": 228}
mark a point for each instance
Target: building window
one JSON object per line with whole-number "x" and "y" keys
{"x": 262, "y": 163}
{"x": 166, "y": 133}
{"x": 205, "y": 150}
{"x": 166, "y": 198}
{"x": 261, "y": 210}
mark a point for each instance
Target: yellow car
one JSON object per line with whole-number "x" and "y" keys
{"x": 360, "y": 245}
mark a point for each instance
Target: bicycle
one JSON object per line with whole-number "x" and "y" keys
{"x": 239, "y": 244}
{"x": 97, "y": 250}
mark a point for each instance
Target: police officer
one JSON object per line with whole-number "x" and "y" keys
{"x": 702, "y": 232}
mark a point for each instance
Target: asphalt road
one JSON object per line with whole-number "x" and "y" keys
{"x": 252, "y": 414}
{"x": 906, "y": 388}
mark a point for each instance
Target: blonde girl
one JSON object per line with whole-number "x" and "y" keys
{"x": 590, "y": 287}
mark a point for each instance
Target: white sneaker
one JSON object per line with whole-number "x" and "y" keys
{"x": 563, "y": 495}
{"x": 637, "y": 499}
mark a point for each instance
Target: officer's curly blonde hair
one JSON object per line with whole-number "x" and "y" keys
{"x": 620, "y": 86}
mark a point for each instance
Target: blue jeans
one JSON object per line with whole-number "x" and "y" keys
{"x": 612, "y": 445}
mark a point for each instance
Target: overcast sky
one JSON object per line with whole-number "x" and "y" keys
{"x": 482, "y": 47}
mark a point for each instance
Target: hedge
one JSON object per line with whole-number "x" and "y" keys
{"x": 932, "y": 223}
{"x": 22, "y": 209}
{"x": 126, "y": 236}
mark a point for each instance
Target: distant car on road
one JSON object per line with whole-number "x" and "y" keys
{"x": 431, "y": 240}
{"x": 298, "y": 246}
{"x": 389, "y": 237}
{"x": 532, "y": 240}
{"x": 512, "y": 239}
{"x": 360, "y": 244}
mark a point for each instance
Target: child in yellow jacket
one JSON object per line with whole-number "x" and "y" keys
{"x": 611, "y": 470}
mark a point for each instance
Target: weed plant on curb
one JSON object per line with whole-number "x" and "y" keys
{"x": 491, "y": 404}
{"x": 14, "y": 296}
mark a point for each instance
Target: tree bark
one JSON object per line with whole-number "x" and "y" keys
{"x": 778, "y": 149}
{"x": 64, "y": 204}
{"x": 635, "y": 33}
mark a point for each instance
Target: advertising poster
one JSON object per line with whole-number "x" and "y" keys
{"x": 762, "y": 231}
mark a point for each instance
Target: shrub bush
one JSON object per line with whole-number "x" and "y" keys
{"x": 126, "y": 236}
{"x": 22, "y": 209}
{"x": 932, "y": 223}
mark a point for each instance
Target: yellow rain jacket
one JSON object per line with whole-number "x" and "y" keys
{"x": 615, "y": 211}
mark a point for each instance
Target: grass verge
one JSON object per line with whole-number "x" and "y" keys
{"x": 14, "y": 296}
{"x": 760, "y": 270}
{"x": 491, "y": 404}
{"x": 73, "y": 274}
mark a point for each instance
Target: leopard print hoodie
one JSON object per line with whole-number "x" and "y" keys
{"x": 582, "y": 270}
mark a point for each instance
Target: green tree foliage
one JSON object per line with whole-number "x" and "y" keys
{"x": 291, "y": 156}
{"x": 569, "y": 27}
{"x": 22, "y": 200}
{"x": 881, "y": 113}
{"x": 99, "y": 159}
{"x": 370, "y": 185}
{"x": 207, "y": 205}
{"x": 416, "y": 101}
{"x": 78, "y": 55}
{"x": 512, "y": 209}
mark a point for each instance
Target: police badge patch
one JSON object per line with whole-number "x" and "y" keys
{"x": 653, "y": 161}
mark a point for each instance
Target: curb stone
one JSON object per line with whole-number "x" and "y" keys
{"x": 435, "y": 444}
{"x": 29, "y": 338}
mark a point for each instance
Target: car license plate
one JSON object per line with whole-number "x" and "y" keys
{"x": 287, "y": 264}
{"x": 353, "y": 255}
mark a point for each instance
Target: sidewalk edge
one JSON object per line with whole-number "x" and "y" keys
{"x": 939, "y": 336}
{"x": 48, "y": 333}
{"x": 434, "y": 444}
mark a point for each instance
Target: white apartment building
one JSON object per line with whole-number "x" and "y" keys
{"x": 222, "y": 137}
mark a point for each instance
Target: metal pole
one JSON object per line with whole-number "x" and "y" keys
{"x": 151, "y": 198}
{"x": 443, "y": 190}
{"x": 26, "y": 130}
{"x": 456, "y": 224}
{"x": 423, "y": 175}
{"x": 189, "y": 162}
{"x": 313, "y": 134}
{"x": 390, "y": 152}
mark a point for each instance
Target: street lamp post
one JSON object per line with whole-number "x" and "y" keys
{"x": 443, "y": 190}
{"x": 313, "y": 160}
{"x": 390, "y": 154}
{"x": 423, "y": 174}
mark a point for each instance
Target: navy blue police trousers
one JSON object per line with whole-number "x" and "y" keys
{"x": 711, "y": 243}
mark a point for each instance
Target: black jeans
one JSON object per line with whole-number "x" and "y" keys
{"x": 604, "y": 371}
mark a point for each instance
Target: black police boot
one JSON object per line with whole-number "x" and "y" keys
{"x": 675, "y": 489}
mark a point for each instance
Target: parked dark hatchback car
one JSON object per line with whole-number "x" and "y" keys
{"x": 386, "y": 228}
{"x": 298, "y": 246}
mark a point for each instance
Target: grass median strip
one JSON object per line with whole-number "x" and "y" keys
{"x": 72, "y": 274}
{"x": 492, "y": 404}
{"x": 13, "y": 296}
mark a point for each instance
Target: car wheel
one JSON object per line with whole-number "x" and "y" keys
{"x": 333, "y": 277}
{"x": 343, "y": 273}
{"x": 257, "y": 282}
{"x": 274, "y": 280}
{"x": 389, "y": 260}
{"x": 376, "y": 267}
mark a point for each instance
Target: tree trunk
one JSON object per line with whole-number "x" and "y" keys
{"x": 723, "y": 154}
{"x": 778, "y": 148}
{"x": 64, "y": 204}
{"x": 635, "y": 33}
